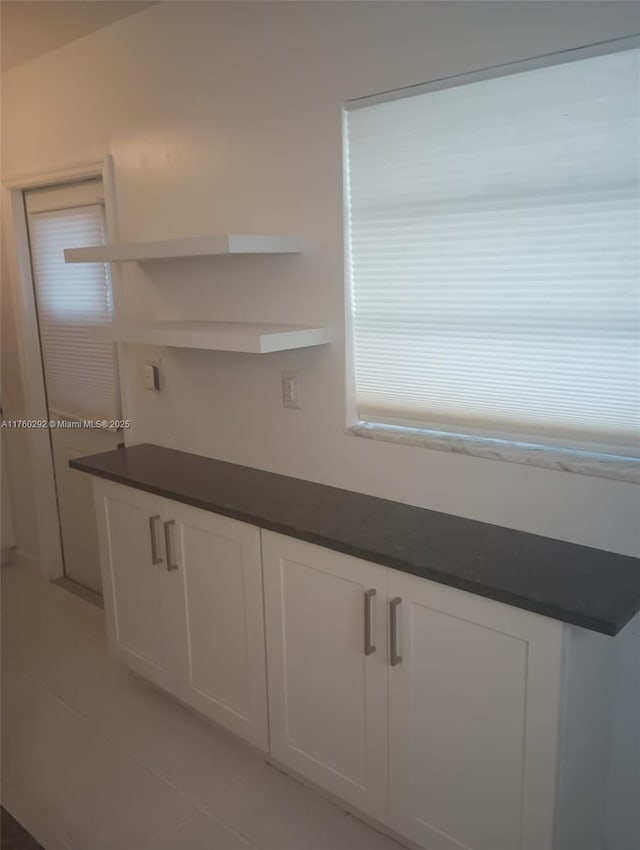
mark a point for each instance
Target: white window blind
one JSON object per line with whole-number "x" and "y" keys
{"x": 494, "y": 230}
{"x": 80, "y": 370}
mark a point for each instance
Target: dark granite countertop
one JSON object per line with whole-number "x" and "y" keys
{"x": 586, "y": 587}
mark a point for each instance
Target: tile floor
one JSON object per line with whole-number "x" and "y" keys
{"x": 13, "y": 836}
{"x": 95, "y": 759}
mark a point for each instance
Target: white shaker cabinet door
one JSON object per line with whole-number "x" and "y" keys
{"x": 216, "y": 622}
{"x": 474, "y": 690}
{"x": 327, "y": 675}
{"x": 132, "y": 556}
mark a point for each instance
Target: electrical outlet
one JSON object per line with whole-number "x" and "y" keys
{"x": 291, "y": 390}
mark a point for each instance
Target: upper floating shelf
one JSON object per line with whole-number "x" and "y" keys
{"x": 251, "y": 338}
{"x": 198, "y": 246}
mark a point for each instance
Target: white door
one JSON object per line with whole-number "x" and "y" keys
{"x": 216, "y": 622}
{"x": 327, "y": 669}
{"x": 80, "y": 372}
{"x": 135, "y": 577}
{"x": 473, "y": 703}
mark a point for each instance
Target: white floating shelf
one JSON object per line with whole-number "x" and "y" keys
{"x": 199, "y": 246}
{"x": 216, "y": 336}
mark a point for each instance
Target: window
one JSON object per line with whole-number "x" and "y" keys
{"x": 80, "y": 369}
{"x": 493, "y": 228}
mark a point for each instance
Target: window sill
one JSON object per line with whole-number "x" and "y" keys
{"x": 567, "y": 460}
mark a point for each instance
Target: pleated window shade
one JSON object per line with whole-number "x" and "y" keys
{"x": 80, "y": 370}
{"x": 493, "y": 237}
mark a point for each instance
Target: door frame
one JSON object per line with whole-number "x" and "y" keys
{"x": 30, "y": 355}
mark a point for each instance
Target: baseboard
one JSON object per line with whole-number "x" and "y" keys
{"x": 78, "y": 590}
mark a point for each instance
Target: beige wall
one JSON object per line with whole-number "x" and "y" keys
{"x": 226, "y": 117}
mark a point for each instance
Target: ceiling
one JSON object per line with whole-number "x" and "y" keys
{"x": 30, "y": 28}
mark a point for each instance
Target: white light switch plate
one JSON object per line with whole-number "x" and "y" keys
{"x": 151, "y": 376}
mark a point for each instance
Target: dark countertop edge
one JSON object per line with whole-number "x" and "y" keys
{"x": 526, "y": 603}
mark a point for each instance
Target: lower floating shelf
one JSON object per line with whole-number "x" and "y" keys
{"x": 216, "y": 336}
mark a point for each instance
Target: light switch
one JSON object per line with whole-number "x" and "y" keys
{"x": 151, "y": 376}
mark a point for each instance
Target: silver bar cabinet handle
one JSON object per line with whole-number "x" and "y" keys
{"x": 395, "y": 658}
{"x": 155, "y": 558}
{"x": 369, "y": 645}
{"x": 171, "y": 564}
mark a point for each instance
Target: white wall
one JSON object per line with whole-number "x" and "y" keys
{"x": 226, "y": 117}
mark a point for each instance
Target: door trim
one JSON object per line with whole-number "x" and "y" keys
{"x": 30, "y": 357}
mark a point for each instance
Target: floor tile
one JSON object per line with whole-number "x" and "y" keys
{"x": 126, "y": 809}
{"x": 25, "y": 810}
{"x": 99, "y": 798}
{"x": 275, "y": 811}
{"x": 175, "y": 742}
{"x": 14, "y": 836}
{"x": 352, "y": 834}
{"x": 201, "y": 833}
{"x": 96, "y": 759}
{"x": 77, "y": 672}
{"x": 47, "y": 609}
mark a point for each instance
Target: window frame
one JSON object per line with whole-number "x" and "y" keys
{"x": 602, "y": 460}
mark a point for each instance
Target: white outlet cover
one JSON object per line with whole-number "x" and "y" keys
{"x": 291, "y": 390}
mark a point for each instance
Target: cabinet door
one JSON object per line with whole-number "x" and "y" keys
{"x": 216, "y": 622}
{"x": 327, "y": 697}
{"x": 130, "y": 535}
{"x": 474, "y": 704}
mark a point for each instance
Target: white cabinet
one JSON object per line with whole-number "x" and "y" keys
{"x": 458, "y": 722}
{"x": 326, "y": 657}
{"x": 217, "y": 620}
{"x": 460, "y": 730}
{"x": 130, "y": 525}
{"x": 183, "y": 599}
{"x": 473, "y": 720}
